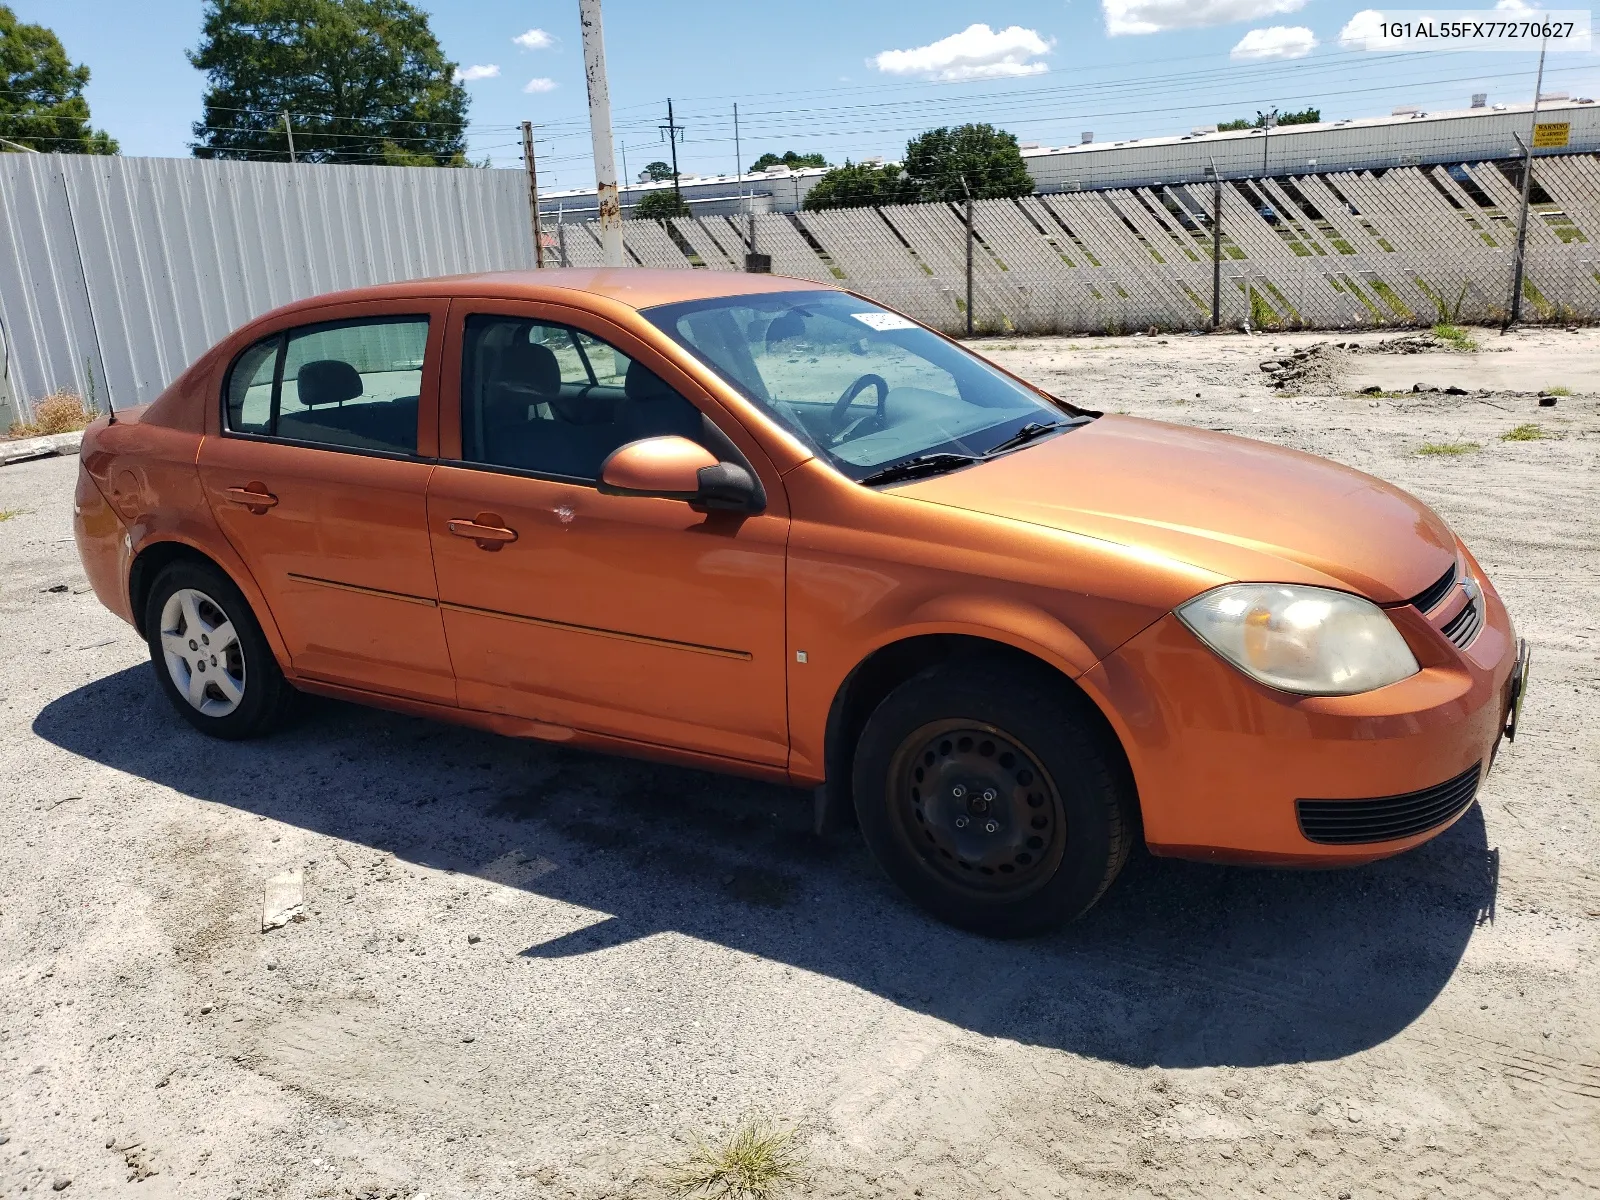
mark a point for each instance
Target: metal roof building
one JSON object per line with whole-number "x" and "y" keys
{"x": 1407, "y": 138}
{"x": 777, "y": 190}
{"x": 1404, "y": 139}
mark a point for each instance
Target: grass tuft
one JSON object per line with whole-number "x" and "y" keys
{"x": 755, "y": 1160}
{"x": 1458, "y": 337}
{"x": 7, "y": 513}
{"x": 1523, "y": 433}
{"x": 59, "y": 412}
{"x": 1558, "y": 391}
{"x": 1432, "y": 449}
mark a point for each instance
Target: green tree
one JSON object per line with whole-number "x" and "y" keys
{"x": 788, "y": 159}
{"x": 659, "y": 204}
{"x": 658, "y": 170}
{"x": 1306, "y": 116}
{"x": 859, "y": 185}
{"x": 363, "y": 81}
{"x": 980, "y": 160}
{"x": 41, "y": 93}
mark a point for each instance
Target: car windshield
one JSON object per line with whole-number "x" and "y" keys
{"x": 865, "y": 388}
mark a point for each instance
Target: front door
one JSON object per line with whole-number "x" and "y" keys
{"x": 319, "y": 481}
{"x": 633, "y": 617}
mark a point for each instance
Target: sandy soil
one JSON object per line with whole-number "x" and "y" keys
{"x": 525, "y": 972}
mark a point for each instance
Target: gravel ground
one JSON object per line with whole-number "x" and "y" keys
{"x": 526, "y": 972}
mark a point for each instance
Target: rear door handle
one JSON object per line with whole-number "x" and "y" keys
{"x": 253, "y": 496}
{"x": 487, "y": 529}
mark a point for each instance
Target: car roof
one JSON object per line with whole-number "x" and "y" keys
{"x": 636, "y": 287}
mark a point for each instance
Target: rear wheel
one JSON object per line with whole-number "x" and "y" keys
{"x": 210, "y": 655}
{"x": 990, "y": 796}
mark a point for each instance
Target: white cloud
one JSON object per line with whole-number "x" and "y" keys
{"x": 534, "y": 39}
{"x": 1518, "y": 8}
{"x": 473, "y": 74}
{"x": 1277, "y": 41}
{"x": 539, "y": 85}
{"x": 1361, "y": 29}
{"x": 977, "y": 52}
{"x": 1158, "y": 16}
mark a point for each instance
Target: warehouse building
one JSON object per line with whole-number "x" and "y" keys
{"x": 1408, "y": 137}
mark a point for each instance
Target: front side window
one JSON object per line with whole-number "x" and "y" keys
{"x": 553, "y": 400}
{"x": 353, "y": 384}
{"x": 863, "y": 387}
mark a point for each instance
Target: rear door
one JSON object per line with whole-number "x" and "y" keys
{"x": 319, "y": 480}
{"x": 634, "y": 617}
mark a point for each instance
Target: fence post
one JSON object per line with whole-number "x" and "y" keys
{"x": 1216, "y": 246}
{"x": 1527, "y": 188}
{"x": 533, "y": 192}
{"x": 969, "y": 264}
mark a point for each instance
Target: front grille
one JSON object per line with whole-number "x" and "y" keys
{"x": 1352, "y": 822}
{"x": 1463, "y": 627}
{"x": 1429, "y": 597}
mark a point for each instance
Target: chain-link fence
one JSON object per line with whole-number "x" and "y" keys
{"x": 1405, "y": 246}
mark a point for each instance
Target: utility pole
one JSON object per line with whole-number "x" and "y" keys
{"x": 1216, "y": 245}
{"x": 671, "y": 131}
{"x": 754, "y": 260}
{"x": 605, "y": 162}
{"x": 533, "y": 193}
{"x": 1527, "y": 189}
{"x": 1268, "y": 120}
{"x": 968, "y": 191}
{"x": 289, "y": 130}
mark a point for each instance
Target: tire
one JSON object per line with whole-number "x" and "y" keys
{"x": 210, "y": 655}
{"x": 991, "y": 796}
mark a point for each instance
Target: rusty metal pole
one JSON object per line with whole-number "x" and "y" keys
{"x": 1527, "y": 192}
{"x": 533, "y": 193}
{"x": 1216, "y": 245}
{"x": 605, "y": 161}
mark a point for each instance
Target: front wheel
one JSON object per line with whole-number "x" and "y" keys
{"x": 210, "y": 655}
{"x": 992, "y": 799}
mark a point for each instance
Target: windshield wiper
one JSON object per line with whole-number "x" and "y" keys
{"x": 921, "y": 464}
{"x": 1026, "y": 434}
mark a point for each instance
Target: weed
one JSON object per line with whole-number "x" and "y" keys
{"x": 1523, "y": 433}
{"x": 1558, "y": 391}
{"x": 59, "y": 412}
{"x": 1458, "y": 337}
{"x": 755, "y": 1160}
{"x": 1432, "y": 449}
{"x": 7, "y": 513}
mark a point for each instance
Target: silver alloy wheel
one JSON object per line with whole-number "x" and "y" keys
{"x": 202, "y": 652}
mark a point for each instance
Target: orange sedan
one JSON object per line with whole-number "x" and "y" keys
{"x": 764, "y": 526}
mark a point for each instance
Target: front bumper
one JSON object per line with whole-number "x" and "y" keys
{"x": 1220, "y": 760}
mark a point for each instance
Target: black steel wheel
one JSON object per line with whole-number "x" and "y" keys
{"x": 994, "y": 796}
{"x": 978, "y": 808}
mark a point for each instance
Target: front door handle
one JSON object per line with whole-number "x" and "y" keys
{"x": 253, "y": 496}
{"x": 487, "y": 529}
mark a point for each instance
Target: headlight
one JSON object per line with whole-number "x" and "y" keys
{"x": 1310, "y": 640}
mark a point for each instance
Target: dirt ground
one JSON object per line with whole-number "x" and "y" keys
{"x": 527, "y": 972}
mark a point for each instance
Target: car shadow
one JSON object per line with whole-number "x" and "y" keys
{"x": 1181, "y": 964}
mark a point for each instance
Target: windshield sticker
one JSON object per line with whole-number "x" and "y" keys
{"x": 883, "y": 322}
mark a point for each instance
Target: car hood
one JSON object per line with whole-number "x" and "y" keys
{"x": 1239, "y": 508}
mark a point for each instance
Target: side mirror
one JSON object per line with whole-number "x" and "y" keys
{"x": 674, "y": 468}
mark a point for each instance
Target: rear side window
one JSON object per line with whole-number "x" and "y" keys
{"x": 350, "y": 384}
{"x": 250, "y": 387}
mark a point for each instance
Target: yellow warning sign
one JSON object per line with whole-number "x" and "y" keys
{"x": 1552, "y": 136}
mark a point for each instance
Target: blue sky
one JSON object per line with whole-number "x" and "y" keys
{"x": 825, "y": 75}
